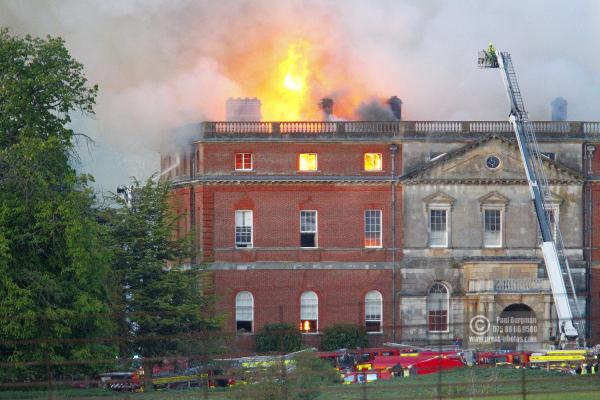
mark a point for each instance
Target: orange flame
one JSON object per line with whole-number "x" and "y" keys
{"x": 286, "y": 101}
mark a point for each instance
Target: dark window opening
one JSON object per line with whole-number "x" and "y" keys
{"x": 307, "y": 240}
{"x": 245, "y": 326}
{"x": 373, "y": 326}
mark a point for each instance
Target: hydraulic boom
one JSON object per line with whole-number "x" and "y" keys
{"x": 552, "y": 246}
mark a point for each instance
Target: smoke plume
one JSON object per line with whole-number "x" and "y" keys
{"x": 162, "y": 64}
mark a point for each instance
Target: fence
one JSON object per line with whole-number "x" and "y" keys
{"x": 53, "y": 367}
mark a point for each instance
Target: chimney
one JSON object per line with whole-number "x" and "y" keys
{"x": 396, "y": 107}
{"x": 326, "y": 105}
{"x": 559, "y": 109}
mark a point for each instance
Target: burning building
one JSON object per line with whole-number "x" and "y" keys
{"x": 382, "y": 225}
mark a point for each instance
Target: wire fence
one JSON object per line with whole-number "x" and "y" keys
{"x": 211, "y": 364}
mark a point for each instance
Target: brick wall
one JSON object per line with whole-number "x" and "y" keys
{"x": 277, "y": 294}
{"x": 282, "y": 158}
{"x": 276, "y": 221}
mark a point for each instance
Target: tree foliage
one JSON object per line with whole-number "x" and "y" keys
{"x": 165, "y": 309}
{"x": 344, "y": 336}
{"x": 301, "y": 379}
{"x": 278, "y": 337}
{"x": 40, "y": 86}
{"x": 53, "y": 266}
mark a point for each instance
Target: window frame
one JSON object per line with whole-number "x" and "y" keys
{"x": 251, "y": 243}
{"x": 316, "y": 168}
{"x": 251, "y": 311}
{"x": 380, "y": 155}
{"x": 243, "y": 161}
{"x": 446, "y": 209}
{"x": 500, "y": 210}
{"x": 303, "y": 308}
{"x": 447, "y": 307}
{"x": 380, "y": 320}
{"x": 315, "y": 232}
{"x": 380, "y": 212}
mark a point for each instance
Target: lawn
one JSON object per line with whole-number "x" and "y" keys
{"x": 467, "y": 383}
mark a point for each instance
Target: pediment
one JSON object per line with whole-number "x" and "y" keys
{"x": 439, "y": 198}
{"x": 493, "y": 199}
{"x": 492, "y": 160}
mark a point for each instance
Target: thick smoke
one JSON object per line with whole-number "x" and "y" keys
{"x": 168, "y": 63}
{"x": 374, "y": 110}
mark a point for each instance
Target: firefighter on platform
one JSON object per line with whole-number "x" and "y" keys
{"x": 490, "y": 55}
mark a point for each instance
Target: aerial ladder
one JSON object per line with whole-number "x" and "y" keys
{"x": 555, "y": 257}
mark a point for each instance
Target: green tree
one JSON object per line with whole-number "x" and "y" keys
{"x": 166, "y": 308}
{"x": 53, "y": 267}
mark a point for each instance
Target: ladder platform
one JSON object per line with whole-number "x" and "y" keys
{"x": 485, "y": 60}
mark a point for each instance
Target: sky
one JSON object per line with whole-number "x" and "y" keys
{"x": 162, "y": 64}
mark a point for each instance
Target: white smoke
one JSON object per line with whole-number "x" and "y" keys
{"x": 161, "y": 64}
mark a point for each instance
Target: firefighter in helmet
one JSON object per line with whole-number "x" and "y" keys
{"x": 490, "y": 55}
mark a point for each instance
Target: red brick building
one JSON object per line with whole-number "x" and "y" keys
{"x": 303, "y": 222}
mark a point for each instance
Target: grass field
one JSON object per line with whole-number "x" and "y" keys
{"x": 465, "y": 383}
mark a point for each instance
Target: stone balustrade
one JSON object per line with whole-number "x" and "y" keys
{"x": 396, "y": 129}
{"x": 509, "y": 285}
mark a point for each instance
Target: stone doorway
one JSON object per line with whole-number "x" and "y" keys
{"x": 517, "y": 325}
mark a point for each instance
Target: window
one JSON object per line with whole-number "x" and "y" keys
{"x": 307, "y": 162}
{"x": 243, "y": 228}
{"x": 492, "y": 231}
{"x": 308, "y": 228}
{"x": 373, "y": 312}
{"x": 309, "y": 312}
{"x": 438, "y": 227}
{"x": 244, "y": 311}
{"x": 243, "y": 161}
{"x": 438, "y": 301}
{"x": 372, "y": 161}
{"x": 372, "y": 228}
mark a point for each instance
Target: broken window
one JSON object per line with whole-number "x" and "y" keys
{"x": 308, "y": 228}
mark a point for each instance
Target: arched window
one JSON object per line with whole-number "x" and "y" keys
{"x": 244, "y": 311}
{"x": 373, "y": 311}
{"x": 438, "y": 302}
{"x": 309, "y": 312}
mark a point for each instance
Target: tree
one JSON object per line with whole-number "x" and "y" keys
{"x": 40, "y": 86}
{"x": 53, "y": 267}
{"x": 166, "y": 308}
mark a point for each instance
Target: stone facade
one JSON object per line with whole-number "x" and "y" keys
{"x": 482, "y": 278}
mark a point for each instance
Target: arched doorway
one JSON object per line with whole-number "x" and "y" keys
{"x": 517, "y": 327}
